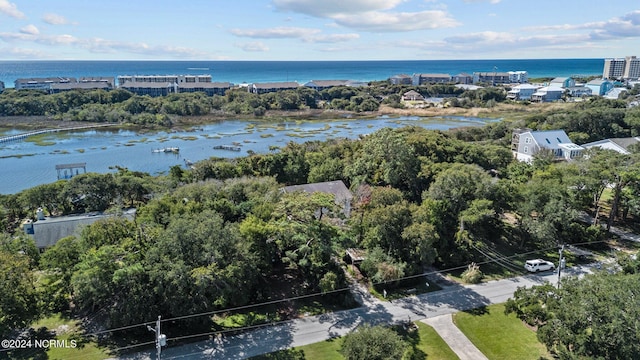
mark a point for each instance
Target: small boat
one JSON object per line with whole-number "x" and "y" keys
{"x": 227, "y": 147}
{"x": 174, "y": 150}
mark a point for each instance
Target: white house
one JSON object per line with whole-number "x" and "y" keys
{"x": 620, "y": 145}
{"x": 525, "y": 144}
{"x": 522, "y": 92}
{"x": 547, "y": 94}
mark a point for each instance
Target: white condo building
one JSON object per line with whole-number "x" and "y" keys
{"x": 627, "y": 68}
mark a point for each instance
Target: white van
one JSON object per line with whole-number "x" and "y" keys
{"x": 538, "y": 265}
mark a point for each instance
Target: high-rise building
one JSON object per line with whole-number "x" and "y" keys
{"x": 613, "y": 68}
{"x": 631, "y": 68}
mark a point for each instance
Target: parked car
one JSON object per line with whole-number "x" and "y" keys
{"x": 538, "y": 265}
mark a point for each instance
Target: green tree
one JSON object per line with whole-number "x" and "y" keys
{"x": 19, "y": 300}
{"x": 373, "y": 343}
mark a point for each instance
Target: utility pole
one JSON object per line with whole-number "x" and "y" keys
{"x": 161, "y": 339}
{"x": 560, "y": 261}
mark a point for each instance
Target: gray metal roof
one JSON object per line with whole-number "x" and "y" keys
{"x": 337, "y": 188}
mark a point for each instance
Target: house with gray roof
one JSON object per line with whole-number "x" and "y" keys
{"x": 547, "y": 94}
{"x": 563, "y": 82}
{"x": 46, "y": 231}
{"x": 526, "y": 143}
{"x": 320, "y": 85}
{"x": 621, "y": 145}
{"x": 412, "y": 95}
{"x": 336, "y": 188}
{"x": 263, "y": 88}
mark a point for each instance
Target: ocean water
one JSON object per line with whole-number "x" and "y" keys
{"x": 238, "y": 72}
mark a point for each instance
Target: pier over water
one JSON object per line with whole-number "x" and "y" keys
{"x": 25, "y": 135}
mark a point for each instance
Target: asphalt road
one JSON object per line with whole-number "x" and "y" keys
{"x": 314, "y": 329}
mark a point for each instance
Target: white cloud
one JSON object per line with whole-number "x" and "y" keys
{"x": 253, "y": 47}
{"x": 11, "y": 9}
{"x": 332, "y": 38}
{"x": 328, "y": 8}
{"x": 30, "y": 30}
{"x": 396, "y": 22}
{"x": 22, "y": 53}
{"x": 54, "y": 19}
{"x": 275, "y": 33}
{"x": 98, "y": 45}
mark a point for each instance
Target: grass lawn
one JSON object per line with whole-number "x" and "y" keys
{"x": 499, "y": 336}
{"x": 67, "y": 329}
{"x": 428, "y": 341}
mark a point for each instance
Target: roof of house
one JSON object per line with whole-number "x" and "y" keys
{"x": 550, "y": 138}
{"x": 327, "y": 83}
{"x": 403, "y": 76}
{"x": 598, "y": 82}
{"x": 434, "y": 75}
{"x": 559, "y": 80}
{"x": 412, "y": 93}
{"x": 618, "y": 144}
{"x": 525, "y": 86}
{"x": 47, "y": 232}
{"x": 206, "y": 85}
{"x": 336, "y": 187}
{"x": 81, "y": 86}
{"x": 276, "y": 85}
{"x": 45, "y": 80}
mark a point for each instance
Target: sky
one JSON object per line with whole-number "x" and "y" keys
{"x": 317, "y": 29}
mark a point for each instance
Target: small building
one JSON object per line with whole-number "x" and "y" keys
{"x": 563, "y": 82}
{"x": 401, "y": 79}
{"x": 526, "y": 143}
{"x": 412, "y": 95}
{"x": 67, "y": 171}
{"x": 615, "y": 93}
{"x": 355, "y": 255}
{"x": 621, "y": 145}
{"x": 522, "y": 92}
{"x": 600, "y": 86}
{"x": 61, "y": 87}
{"x": 263, "y": 88}
{"x": 336, "y": 188}
{"x": 547, "y": 94}
{"x": 422, "y": 79}
{"x": 46, "y": 231}
{"x": 320, "y": 85}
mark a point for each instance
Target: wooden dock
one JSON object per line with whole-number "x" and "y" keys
{"x": 23, "y": 136}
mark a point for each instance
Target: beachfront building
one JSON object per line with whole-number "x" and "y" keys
{"x": 422, "y": 79}
{"x": 401, "y": 79}
{"x": 563, "y": 82}
{"x": 84, "y": 83}
{"x": 600, "y": 86}
{"x": 627, "y": 68}
{"x": 526, "y": 143}
{"x": 492, "y": 77}
{"x": 547, "y": 94}
{"x": 150, "y": 88}
{"x": 522, "y": 92}
{"x": 41, "y": 83}
{"x": 209, "y": 88}
{"x": 263, "y": 88}
{"x": 518, "y": 77}
{"x": 621, "y": 145}
{"x": 462, "y": 78}
{"x": 178, "y": 79}
{"x": 320, "y": 85}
